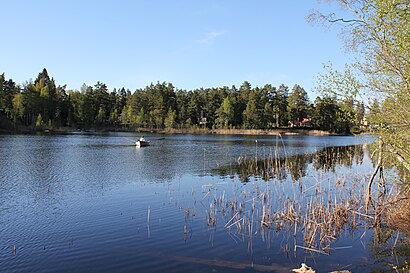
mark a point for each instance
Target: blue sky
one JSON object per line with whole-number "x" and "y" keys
{"x": 192, "y": 44}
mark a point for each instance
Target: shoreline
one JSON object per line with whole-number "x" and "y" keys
{"x": 196, "y": 131}
{"x": 274, "y": 132}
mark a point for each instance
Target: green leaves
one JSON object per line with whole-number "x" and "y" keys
{"x": 338, "y": 84}
{"x": 381, "y": 42}
{"x": 225, "y": 113}
{"x": 160, "y": 105}
{"x": 297, "y": 104}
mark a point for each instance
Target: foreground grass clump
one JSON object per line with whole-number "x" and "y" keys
{"x": 398, "y": 212}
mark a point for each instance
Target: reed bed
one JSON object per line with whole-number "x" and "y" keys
{"x": 397, "y": 211}
{"x": 314, "y": 206}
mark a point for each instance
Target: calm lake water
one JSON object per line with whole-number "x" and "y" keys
{"x": 96, "y": 203}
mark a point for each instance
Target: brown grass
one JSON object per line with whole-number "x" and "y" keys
{"x": 398, "y": 212}
{"x": 284, "y": 131}
{"x": 318, "y": 209}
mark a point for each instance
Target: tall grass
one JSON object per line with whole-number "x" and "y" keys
{"x": 312, "y": 197}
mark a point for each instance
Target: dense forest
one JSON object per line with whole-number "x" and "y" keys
{"x": 44, "y": 105}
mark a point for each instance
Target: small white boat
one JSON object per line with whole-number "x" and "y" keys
{"x": 142, "y": 143}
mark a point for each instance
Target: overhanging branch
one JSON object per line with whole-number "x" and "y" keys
{"x": 344, "y": 20}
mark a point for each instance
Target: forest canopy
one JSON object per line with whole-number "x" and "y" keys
{"x": 42, "y": 104}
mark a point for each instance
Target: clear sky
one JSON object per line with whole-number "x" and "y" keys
{"x": 190, "y": 43}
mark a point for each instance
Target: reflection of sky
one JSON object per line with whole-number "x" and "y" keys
{"x": 84, "y": 198}
{"x": 35, "y": 165}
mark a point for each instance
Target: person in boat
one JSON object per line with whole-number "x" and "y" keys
{"x": 142, "y": 138}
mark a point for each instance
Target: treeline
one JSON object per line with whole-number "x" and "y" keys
{"x": 43, "y": 104}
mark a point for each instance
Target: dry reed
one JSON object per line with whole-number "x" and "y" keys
{"x": 317, "y": 209}
{"x": 398, "y": 212}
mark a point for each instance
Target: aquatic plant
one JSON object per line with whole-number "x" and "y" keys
{"x": 280, "y": 194}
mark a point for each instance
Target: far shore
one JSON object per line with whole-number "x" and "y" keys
{"x": 277, "y": 132}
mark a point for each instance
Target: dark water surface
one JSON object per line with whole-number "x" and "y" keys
{"x": 96, "y": 203}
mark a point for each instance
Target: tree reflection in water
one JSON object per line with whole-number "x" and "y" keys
{"x": 273, "y": 167}
{"x": 321, "y": 199}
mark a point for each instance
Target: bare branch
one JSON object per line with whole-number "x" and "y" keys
{"x": 344, "y": 20}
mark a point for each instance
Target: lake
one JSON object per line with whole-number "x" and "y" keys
{"x": 95, "y": 203}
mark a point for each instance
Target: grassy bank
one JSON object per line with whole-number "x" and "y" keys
{"x": 285, "y": 131}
